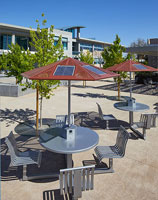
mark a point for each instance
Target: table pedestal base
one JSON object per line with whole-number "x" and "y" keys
{"x": 69, "y": 160}
{"x": 130, "y": 117}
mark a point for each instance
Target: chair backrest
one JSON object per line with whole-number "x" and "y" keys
{"x": 146, "y": 119}
{"x": 76, "y": 180}
{"x": 72, "y": 120}
{"x": 12, "y": 147}
{"x": 154, "y": 116}
{"x": 60, "y": 119}
{"x": 121, "y": 141}
{"x": 100, "y": 111}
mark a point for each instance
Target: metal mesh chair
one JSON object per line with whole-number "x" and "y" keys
{"x": 105, "y": 118}
{"x": 154, "y": 116}
{"x": 60, "y": 120}
{"x": 147, "y": 121}
{"x": 72, "y": 120}
{"x": 22, "y": 158}
{"x": 75, "y": 180}
{"x": 116, "y": 151}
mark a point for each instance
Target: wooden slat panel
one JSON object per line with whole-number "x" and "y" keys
{"x": 65, "y": 183}
{"x": 77, "y": 184}
{"x": 61, "y": 183}
{"x": 92, "y": 178}
{"x": 70, "y": 181}
{"x": 83, "y": 180}
{"x": 88, "y": 179}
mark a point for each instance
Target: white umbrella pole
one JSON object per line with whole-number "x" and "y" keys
{"x": 69, "y": 101}
{"x": 130, "y": 85}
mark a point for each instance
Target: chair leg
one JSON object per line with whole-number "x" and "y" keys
{"x": 144, "y": 133}
{"x": 111, "y": 163}
{"x": 107, "y": 124}
{"x": 24, "y": 178}
{"x": 154, "y": 121}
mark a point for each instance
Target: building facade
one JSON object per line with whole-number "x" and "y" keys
{"x": 73, "y": 44}
{"x": 150, "y": 50}
{"x": 21, "y": 35}
{"x": 83, "y": 44}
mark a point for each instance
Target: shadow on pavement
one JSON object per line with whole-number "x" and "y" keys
{"x": 55, "y": 195}
{"x": 12, "y": 116}
{"x": 51, "y": 162}
{"x": 92, "y": 120}
{"x": 28, "y": 128}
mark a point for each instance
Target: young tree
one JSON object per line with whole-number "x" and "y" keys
{"x": 45, "y": 53}
{"x": 3, "y": 62}
{"x": 87, "y": 58}
{"x": 114, "y": 55}
{"x": 16, "y": 61}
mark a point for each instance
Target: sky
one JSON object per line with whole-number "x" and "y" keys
{"x": 103, "y": 19}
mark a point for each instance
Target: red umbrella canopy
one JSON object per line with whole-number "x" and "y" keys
{"x": 68, "y": 69}
{"x": 131, "y": 66}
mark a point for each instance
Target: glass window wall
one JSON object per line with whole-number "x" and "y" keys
{"x": 64, "y": 42}
{"x": 86, "y": 46}
{"x": 5, "y": 41}
{"x": 22, "y": 41}
{"x": 98, "y": 47}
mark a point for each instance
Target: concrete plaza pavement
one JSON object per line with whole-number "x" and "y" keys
{"x": 136, "y": 175}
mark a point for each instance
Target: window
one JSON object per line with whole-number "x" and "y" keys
{"x": 86, "y": 46}
{"x": 65, "y": 45}
{"x": 5, "y": 40}
{"x": 98, "y": 47}
{"x": 71, "y": 30}
{"x": 22, "y": 41}
{"x": 64, "y": 42}
{"x": 55, "y": 43}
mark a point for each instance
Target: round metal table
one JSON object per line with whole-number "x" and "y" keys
{"x": 138, "y": 107}
{"x": 53, "y": 140}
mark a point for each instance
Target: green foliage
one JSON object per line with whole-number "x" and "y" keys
{"x": 86, "y": 57}
{"x": 16, "y": 61}
{"x": 43, "y": 43}
{"x": 113, "y": 54}
{"x": 46, "y": 52}
{"x": 130, "y": 56}
{"x": 44, "y": 87}
{"x": 3, "y": 62}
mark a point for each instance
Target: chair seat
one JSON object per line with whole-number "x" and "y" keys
{"x": 138, "y": 125}
{"x": 33, "y": 155}
{"x": 106, "y": 152}
{"x": 109, "y": 117}
{"x": 26, "y": 158}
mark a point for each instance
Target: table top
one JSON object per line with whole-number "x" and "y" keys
{"x": 137, "y": 108}
{"x": 53, "y": 140}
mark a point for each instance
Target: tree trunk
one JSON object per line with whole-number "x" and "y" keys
{"x": 37, "y": 107}
{"x": 41, "y": 111}
{"x": 118, "y": 90}
{"x": 84, "y": 83}
{"x": 16, "y": 81}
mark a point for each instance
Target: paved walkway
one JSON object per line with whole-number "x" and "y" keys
{"x": 136, "y": 175}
